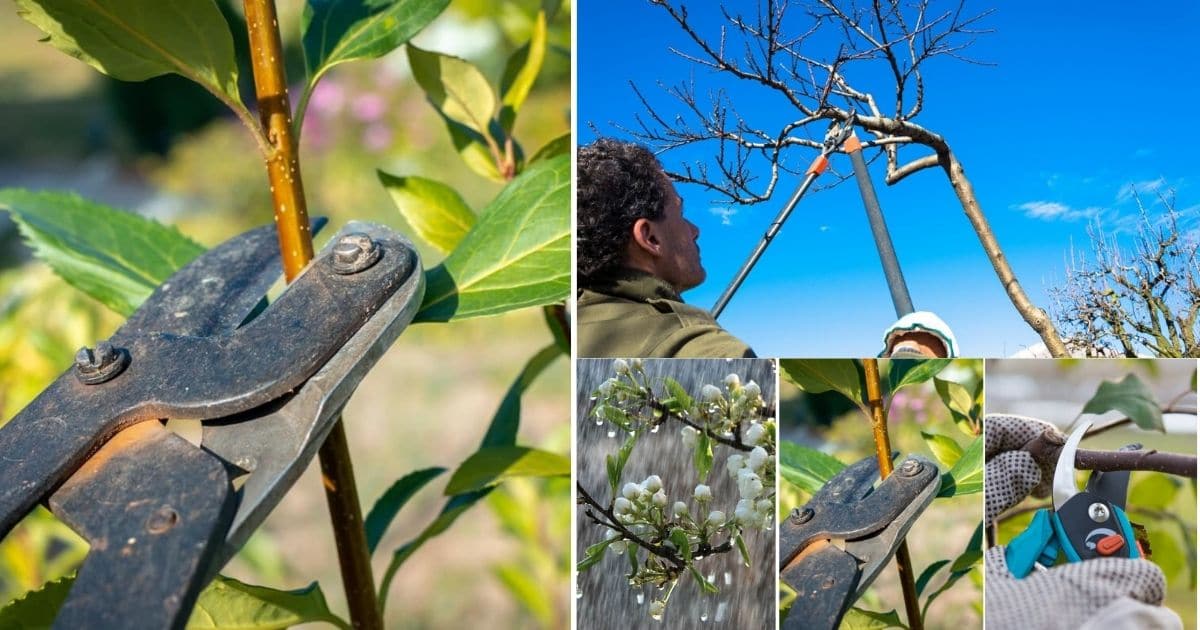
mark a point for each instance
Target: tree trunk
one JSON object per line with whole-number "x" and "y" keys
{"x": 1034, "y": 316}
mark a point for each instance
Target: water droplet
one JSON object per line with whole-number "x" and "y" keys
{"x": 712, "y": 578}
{"x": 654, "y": 429}
{"x": 641, "y": 598}
{"x": 657, "y": 615}
{"x": 578, "y": 592}
{"x": 704, "y": 606}
{"x": 722, "y": 611}
{"x": 612, "y": 433}
{"x": 599, "y": 422}
{"x": 728, "y": 578}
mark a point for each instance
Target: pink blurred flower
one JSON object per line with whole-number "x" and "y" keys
{"x": 377, "y": 137}
{"x": 327, "y": 98}
{"x": 368, "y": 107}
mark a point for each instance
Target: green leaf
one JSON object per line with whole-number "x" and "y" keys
{"x": 520, "y": 73}
{"x": 680, "y": 538}
{"x": 705, "y": 585}
{"x": 503, "y": 429}
{"x": 616, "y": 465}
{"x": 905, "y": 372}
{"x": 455, "y": 87}
{"x": 555, "y": 147}
{"x": 228, "y": 604}
{"x": 821, "y": 375}
{"x": 550, "y": 314}
{"x": 862, "y": 619}
{"x": 36, "y": 609}
{"x": 453, "y": 509}
{"x": 946, "y": 450}
{"x": 806, "y": 468}
{"x": 964, "y": 564}
{"x": 436, "y": 212}
{"x": 517, "y": 255}
{"x": 527, "y": 591}
{"x": 594, "y": 554}
{"x": 960, "y": 402}
{"x": 966, "y": 477}
{"x": 1170, "y": 553}
{"x": 133, "y": 40}
{"x": 702, "y": 456}
{"x": 490, "y": 465}
{"x": 116, "y": 257}
{"x": 677, "y": 392}
{"x": 1154, "y": 491}
{"x": 473, "y": 148}
{"x": 741, "y": 545}
{"x": 928, "y": 574}
{"x": 1132, "y": 398}
{"x": 388, "y": 505}
{"x": 337, "y": 31}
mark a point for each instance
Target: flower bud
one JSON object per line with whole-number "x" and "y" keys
{"x": 702, "y": 493}
{"x": 710, "y": 393}
{"x": 734, "y": 464}
{"x": 622, "y": 506}
{"x": 716, "y": 518}
{"x": 631, "y": 491}
{"x": 679, "y": 509}
{"x": 659, "y": 498}
{"x": 689, "y": 436}
{"x": 657, "y": 608}
{"x": 620, "y": 366}
{"x": 755, "y": 433}
{"x": 733, "y": 382}
{"x": 653, "y": 483}
{"x": 752, "y": 390}
{"x": 607, "y": 386}
{"x": 618, "y": 547}
{"x": 637, "y": 364}
{"x": 758, "y": 457}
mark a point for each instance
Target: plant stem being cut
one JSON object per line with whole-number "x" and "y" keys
{"x": 295, "y": 244}
{"x": 883, "y": 450}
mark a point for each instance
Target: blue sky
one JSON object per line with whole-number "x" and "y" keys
{"x": 1084, "y": 102}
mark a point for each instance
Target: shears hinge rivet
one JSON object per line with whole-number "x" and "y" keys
{"x": 801, "y": 517}
{"x": 910, "y": 468}
{"x": 354, "y": 252}
{"x": 95, "y": 366}
{"x": 1098, "y": 512}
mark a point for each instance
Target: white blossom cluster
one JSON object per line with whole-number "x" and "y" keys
{"x": 754, "y": 474}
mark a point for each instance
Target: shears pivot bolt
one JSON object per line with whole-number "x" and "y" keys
{"x": 801, "y": 517}
{"x": 910, "y": 468}
{"x": 1098, "y": 512}
{"x": 354, "y": 252}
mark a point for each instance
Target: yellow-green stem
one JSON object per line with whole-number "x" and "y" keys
{"x": 883, "y": 451}
{"x": 295, "y": 243}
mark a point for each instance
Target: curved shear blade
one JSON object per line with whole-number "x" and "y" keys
{"x": 1064, "y": 471}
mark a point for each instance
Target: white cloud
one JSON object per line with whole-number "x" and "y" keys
{"x": 1052, "y": 210}
{"x": 1150, "y": 186}
{"x": 725, "y": 212}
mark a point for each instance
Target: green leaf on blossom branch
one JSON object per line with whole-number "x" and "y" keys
{"x": 905, "y": 372}
{"x": 679, "y": 538}
{"x": 133, "y": 40}
{"x": 518, "y": 254}
{"x": 966, "y": 476}
{"x": 702, "y": 458}
{"x": 822, "y": 375}
{"x": 741, "y": 545}
{"x": 337, "y": 31}
{"x": 616, "y": 463}
{"x": 677, "y": 400}
{"x": 115, "y": 257}
{"x": 435, "y": 211}
{"x": 1132, "y": 398}
{"x": 705, "y": 585}
{"x": 492, "y": 465}
{"x": 806, "y": 468}
{"x": 389, "y": 505}
{"x": 594, "y": 554}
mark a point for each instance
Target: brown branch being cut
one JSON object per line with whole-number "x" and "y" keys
{"x": 1048, "y": 445}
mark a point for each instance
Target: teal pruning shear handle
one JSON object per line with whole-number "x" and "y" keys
{"x": 1083, "y": 524}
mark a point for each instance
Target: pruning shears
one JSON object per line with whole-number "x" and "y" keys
{"x": 269, "y": 381}
{"x": 1082, "y": 524}
{"x": 832, "y": 549}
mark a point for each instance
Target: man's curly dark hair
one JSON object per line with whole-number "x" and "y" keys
{"x": 618, "y": 183}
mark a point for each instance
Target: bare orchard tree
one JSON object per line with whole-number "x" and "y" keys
{"x": 880, "y": 45}
{"x": 1142, "y": 299}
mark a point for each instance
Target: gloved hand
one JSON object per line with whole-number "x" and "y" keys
{"x": 1103, "y": 593}
{"x": 918, "y": 335}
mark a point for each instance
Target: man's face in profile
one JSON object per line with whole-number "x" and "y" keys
{"x": 680, "y": 264}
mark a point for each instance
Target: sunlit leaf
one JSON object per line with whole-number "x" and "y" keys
{"x": 905, "y": 372}
{"x": 388, "y": 506}
{"x": 36, "y": 609}
{"x": 534, "y": 597}
{"x": 520, "y": 73}
{"x": 702, "y": 456}
{"x": 741, "y": 546}
{"x": 337, "y": 31}
{"x": 966, "y": 477}
{"x": 435, "y": 211}
{"x": 518, "y": 254}
{"x": 862, "y": 619}
{"x": 557, "y": 146}
{"x": 133, "y": 40}
{"x": 1154, "y": 491}
{"x": 616, "y": 463}
{"x": 944, "y": 449}
{"x": 960, "y": 402}
{"x": 455, "y": 87}
{"x": 679, "y": 538}
{"x": 593, "y": 554}
{"x": 1132, "y": 398}
{"x": 227, "y": 604}
{"x": 492, "y": 465}
{"x": 821, "y": 375}
{"x": 116, "y": 257}
{"x": 705, "y": 585}
{"x": 507, "y": 420}
{"x": 928, "y": 574}
{"x": 806, "y": 468}
{"x": 964, "y": 564}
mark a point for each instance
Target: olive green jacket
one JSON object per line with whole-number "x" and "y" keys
{"x": 636, "y": 314}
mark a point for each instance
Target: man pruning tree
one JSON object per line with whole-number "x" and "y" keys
{"x": 637, "y": 254}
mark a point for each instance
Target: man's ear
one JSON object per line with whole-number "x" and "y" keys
{"x": 645, "y": 238}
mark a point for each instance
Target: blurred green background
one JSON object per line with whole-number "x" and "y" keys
{"x": 1056, "y": 391}
{"x": 167, "y": 149}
